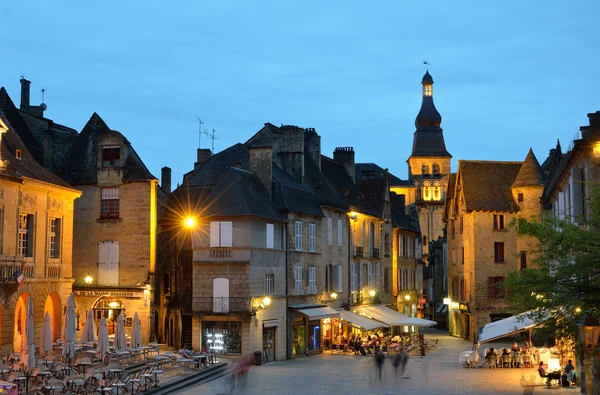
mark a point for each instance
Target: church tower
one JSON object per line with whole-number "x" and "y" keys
{"x": 429, "y": 168}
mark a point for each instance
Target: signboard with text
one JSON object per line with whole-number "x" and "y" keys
{"x": 117, "y": 294}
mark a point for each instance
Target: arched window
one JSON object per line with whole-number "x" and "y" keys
{"x": 426, "y": 192}
{"x": 425, "y": 169}
{"x": 437, "y": 193}
{"x": 436, "y": 169}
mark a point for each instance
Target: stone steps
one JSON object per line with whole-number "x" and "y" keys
{"x": 213, "y": 372}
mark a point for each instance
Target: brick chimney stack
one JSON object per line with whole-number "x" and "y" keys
{"x": 165, "y": 179}
{"x": 25, "y": 94}
{"x": 261, "y": 164}
{"x": 203, "y": 154}
{"x": 345, "y": 157}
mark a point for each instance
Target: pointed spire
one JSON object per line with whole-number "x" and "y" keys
{"x": 530, "y": 174}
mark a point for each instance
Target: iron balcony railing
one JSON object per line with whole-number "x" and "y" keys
{"x": 216, "y": 305}
{"x": 358, "y": 251}
{"x": 374, "y": 252}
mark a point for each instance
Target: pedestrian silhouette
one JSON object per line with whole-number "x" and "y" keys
{"x": 400, "y": 361}
{"x": 379, "y": 360}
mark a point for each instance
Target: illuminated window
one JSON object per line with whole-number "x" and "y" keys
{"x": 25, "y": 239}
{"x": 437, "y": 195}
{"x": 427, "y": 90}
{"x": 499, "y": 222}
{"x": 109, "y": 204}
{"x": 111, "y": 155}
{"x": 426, "y": 193}
{"x": 53, "y": 237}
{"x": 18, "y": 154}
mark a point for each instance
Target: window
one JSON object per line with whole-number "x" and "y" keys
{"x": 53, "y": 238}
{"x": 378, "y": 277}
{"x": 18, "y": 154}
{"x": 520, "y": 197}
{"x": 329, "y": 231}
{"x": 220, "y": 295}
{"x": 312, "y": 280}
{"x": 328, "y": 278}
{"x": 499, "y": 222}
{"x": 496, "y": 287}
{"x": 461, "y": 289}
{"x": 461, "y": 224}
{"x": 312, "y": 237}
{"x": 386, "y": 279}
{"x": 523, "y": 260}
{"x": 269, "y": 284}
{"x": 386, "y": 244}
{"x": 340, "y": 233}
{"x": 425, "y": 169}
{"x": 462, "y": 255}
{"x": 298, "y": 235}
{"x": 298, "y": 288}
{"x": 221, "y": 234}
{"x": 108, "y": 263}
{"x": 424, "y": 240}
{"x": 109, "y": 205}
{"x": 499, "y": 252}
{"x": 166, "y": 283}
{"x": 270, "y": 236}
{"x": 437, "y": 194}
{"x": 111, "y": 155}
{"x": 361, "y": 276}
{"x": 353, "y": 278}
{"x": 338, "y": 278}
{"x": 436, "y": 169}
{"x": 370, "y": 276}
{"x": 25, "y": 241}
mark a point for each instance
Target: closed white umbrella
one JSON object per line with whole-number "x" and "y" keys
{"x": 102, "y": 339}
{"x": 28, "y": 349}
{"x": 89, "y": 329}
{"x": 70, "y": 330}
{"x": 136, "y": 333}
{"x": 120, "y": 340}
{"x": 46, "y": 336}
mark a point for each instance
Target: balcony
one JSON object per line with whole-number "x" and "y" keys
{"x": 217, "y": 305}
{"x": 53, "y": 270}
{"x": 9, "y": 265}
{"x": 358, "y": 252}
{"x": 220, "y": 254}
{"x": 374, "y": 252}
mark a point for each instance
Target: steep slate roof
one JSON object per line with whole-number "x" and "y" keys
{"x": 486, "y": 184}
{"x": 530, "y": 173}
{"x": 291, "y": 195}
{"x": 553, "y": 167}
{"x": 377, "y": 172}
{"x": 27, "y": 166}
{"x": 326, "y": 192}
{"x": 20, "y": 126}
{"x": 80, "y": 165}
{"x": 372, "y": 194}
{"x": 399, "y": 218}
{"x": 449, "y": 194}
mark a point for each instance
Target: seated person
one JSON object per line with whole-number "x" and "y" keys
{"x": 548, "y": 376}
{"x": 570, "y": 370}
{"x": 515, "y": 346}
{"x": 490, "y": 352}
{"x": 505, "y": 352}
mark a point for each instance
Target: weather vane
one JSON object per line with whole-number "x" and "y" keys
{"x": 427, "y": 63}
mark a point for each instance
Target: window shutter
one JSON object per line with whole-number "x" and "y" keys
{"x": 362, "y": 277}
{"x": 340, "y": 232}
{"x": 577, "y": 194}
{"x": 378, "y": 277}
{"x": 214, "y": 234}
{"x": 270, "y": 235}
{"x": 113, "y": 263}
{"x": 329, "y": 231}
{"x": 103, "y": 263}
{"x": 370, "y": 274}
{"x": 339, "y": 281}
{"x": 226, "y": 234}
{"x": 353, "y": 277}
{"x": 491, "y": 288}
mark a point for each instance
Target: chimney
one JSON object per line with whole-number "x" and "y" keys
{"x": 345, "y": 157}
{"x": 261, "y": 164}
{"x": 290, "y": 156}
{"x": 25, "y": 89}
{"x": 203, "y": 155}
{"x": 312, "y": 146}
{"x": 165, "y": 179}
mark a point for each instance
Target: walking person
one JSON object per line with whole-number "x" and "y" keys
{"x": 379, "y": 360}
{"x": 400, "y": 361}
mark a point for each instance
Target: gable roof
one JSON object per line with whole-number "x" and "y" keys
{"x": 486, "y": 185}
{"x": 27, "y": 166}
{"x": 530, "y": 173}
{"x": 80, "y": 165}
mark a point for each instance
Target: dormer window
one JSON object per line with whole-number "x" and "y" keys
{"x": 18, "y": 154}
{"x": 111, "y": 156}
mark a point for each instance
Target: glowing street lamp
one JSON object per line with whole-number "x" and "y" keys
{"x": 88, "y": 279}
{"x": 189, "y": 222}
{"x": 407, "y": 297}
{"x": 333, "y": 296}
{"x": 266, "y": 301}
{"x": 372, "y": 292}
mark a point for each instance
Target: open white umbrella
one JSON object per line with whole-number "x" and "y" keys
{"x": 70, "y": 330}
{"x": 46, "y": 336}
{"x": 28, "y": 349}
{"x": 120, "y": 340}
{"x": 102, "y": 339}
{"x": 136, "y": 334}
{"x": 89, "y": 329}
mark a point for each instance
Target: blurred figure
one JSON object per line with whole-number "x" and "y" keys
{"x": 239, "y": 374}
{"x": 400, "y": 361}
{"x": 379, "y": 360}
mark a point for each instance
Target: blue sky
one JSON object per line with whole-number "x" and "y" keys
{"x": 508, "y": 75}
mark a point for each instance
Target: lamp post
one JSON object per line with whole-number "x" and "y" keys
{"x": 88, "y": 279}
{"x": 589, "y": 333}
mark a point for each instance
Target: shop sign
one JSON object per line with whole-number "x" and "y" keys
{"x": 117, "y": 294}
{"x": 455, "y": 306}
{"x": 463, "y": 307}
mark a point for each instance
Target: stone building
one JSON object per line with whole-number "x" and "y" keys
{"x": 36, "y": 233}
{"x": 482, "y": 248}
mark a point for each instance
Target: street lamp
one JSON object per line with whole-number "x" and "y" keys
{"x": 88, "y": 279}
{"x": 407, "y": 297}
{"x": 589, "y": 333}
{"x": 333, "y": 296}
{"x": 372, "y": 293}
{"x": 447, "y": 301}
{"x": 189, "y": 222}
{"x": 266, "y": 301}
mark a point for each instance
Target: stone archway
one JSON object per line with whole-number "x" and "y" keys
{"x": 53, "y": 306}
{"x": 19, "y": 328}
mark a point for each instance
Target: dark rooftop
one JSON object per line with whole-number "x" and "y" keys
{"x": 486, "y": 184}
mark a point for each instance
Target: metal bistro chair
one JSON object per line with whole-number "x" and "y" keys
{"x": 506, "y": 361}
{"x": 492, "y": 361}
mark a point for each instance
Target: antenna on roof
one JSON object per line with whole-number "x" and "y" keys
{"x": 199, "y": 132}
{"x": 212, "y": 137}
{"x": 43, "y": 92}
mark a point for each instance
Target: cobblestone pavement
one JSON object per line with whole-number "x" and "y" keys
{"x": 436, "y": 373}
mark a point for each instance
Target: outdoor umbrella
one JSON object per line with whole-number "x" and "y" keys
{"x": 89, "y": 329}
{"x": 70, "y": 330}
{"x": 102, "y": 339}
{"x": 120, "y": 341}
{"x": 136, "y": 336}
{"x": 28, "y": 350}
{"x": 46, "y": 336}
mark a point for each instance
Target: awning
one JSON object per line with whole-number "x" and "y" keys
{"x": 360, "y": 321}
{"x": 318, "y": 313}
{"x": 506, "y": 327}
{"x": 391, "y": 317}
{"x": 414, "y": 321}
{"x": 270, "y": 323}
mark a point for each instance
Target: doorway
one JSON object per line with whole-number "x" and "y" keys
{"x": 269, "y": 343}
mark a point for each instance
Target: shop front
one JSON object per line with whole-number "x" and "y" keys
{"x": 308, "y": 327}
{"x": 337, "y": 330}
{"x": 222, "y": 337}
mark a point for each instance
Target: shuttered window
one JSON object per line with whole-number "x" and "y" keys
{"x": 340, "y": 232}
{"x": 378, "y": 277}
{"x": 298, "y": 235}
{"x": 370, "y": 274}
{"x": 353, "y": 278}
{"x": 329, "y": 231}
{"x": 312, "y": 237}
{"x": 108, "y": 263}
{"x": 298, "y": 288}
{"x": 312, "y": 280}
{"x": 499, "y": 252}
{"x": 109, "y": 203}
{"x": 270, "y": 235}
{"x": 338, "y": 278}
{"x": 221, "y": 234}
